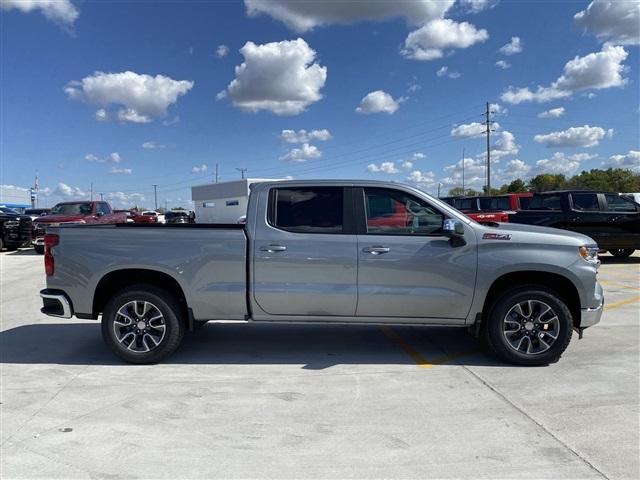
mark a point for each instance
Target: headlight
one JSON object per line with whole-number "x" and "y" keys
{"x": 589, "y": 253}
{"x": 12, "y": 223}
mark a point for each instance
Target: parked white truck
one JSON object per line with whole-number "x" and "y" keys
{"x": 330, "y": 252}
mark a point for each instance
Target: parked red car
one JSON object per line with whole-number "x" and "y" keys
{"x": 74, "y": 213}
{"x": 492, "y": 209}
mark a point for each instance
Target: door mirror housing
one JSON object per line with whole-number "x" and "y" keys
{"x": 452, "y": 228}
{"x": 99, "y": 214}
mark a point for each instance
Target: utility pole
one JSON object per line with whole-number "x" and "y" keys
{"x": 242, "y": 171}
{"x": 463, "y": 190}
{"x": 155, "y": 195}
{"x": 439, "y": 184}
{"x": 216, "y": 172}
{"x": 92, "y": 191}
{"x": 102, "y": 197}
{"x": 488, "y": 132}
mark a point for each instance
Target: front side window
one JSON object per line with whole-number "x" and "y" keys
{"x": 103, "y": 208}
{"x": 585, "y": 202}
{"x": 393, "y": 212}
{"x": 72, "y": 209}
{"x": 307, "y": 209}
{"x": 620, "y": 203}
{"x": 494, "y": 203}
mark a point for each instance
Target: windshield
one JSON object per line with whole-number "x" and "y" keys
{"x": 71, "y": 209}
{"x": 8, "y": 210}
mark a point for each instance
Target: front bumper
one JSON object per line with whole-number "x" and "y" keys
{"x": 591, "y": 316}
{"x": 38, "y": 241}
{"x": 55, "y": 303}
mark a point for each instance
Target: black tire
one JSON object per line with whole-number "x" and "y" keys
{"x": 164, "y": 302}
{"x": 39, "y": 249}
{"x": 11, "y": 247}
{"x": 494, "y": 325}
{"x": 1, "y": 244}
{"x": 622, "y": 252}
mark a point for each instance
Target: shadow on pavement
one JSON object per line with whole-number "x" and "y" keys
{"x": 314, "y": 346}
{"x": 611, "y": 260}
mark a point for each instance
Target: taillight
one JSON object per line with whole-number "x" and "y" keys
{"x": 50, "y": 240}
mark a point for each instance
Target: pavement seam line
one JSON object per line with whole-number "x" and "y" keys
{"x": 621, "y": 303}
{"x": 547, "y": 431}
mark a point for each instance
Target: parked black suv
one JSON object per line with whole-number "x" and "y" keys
{"x": 15, "y": 229}
{"x": 611, "y": 219}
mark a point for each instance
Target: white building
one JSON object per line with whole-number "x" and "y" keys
{"x": 224, "y": 202}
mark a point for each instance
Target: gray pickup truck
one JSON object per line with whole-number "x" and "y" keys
{"x": 339, "y": 252}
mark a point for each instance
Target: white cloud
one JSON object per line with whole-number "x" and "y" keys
{"x": 596, "y": 71}
{"x": 503, "y": 65}
{"x": 444, "y": 71}
{"x": 504, "y": 145}
{"x": 302, "y": 16}
{"x": 585, "y": 136}
{"x": 281, "y": 77}
{"x": 615, "y": 21}
{"x": 62, "y": 12}
{"x": 378, "y": 102}
{"x": 65, "y": 191}
{"x": 513, "y": 47}
{"x": 111, "y": 158}
{"x": 424, "y": 179}
{"x": 630, "y": 160}
{"x": 561, "y": 163}
{"x": 303, "y": 136}
{"x": 302, "y": 154}
{"x": 497, "y": 109}
{"x": 476, "y": 6}
{"x": 171, "y": 121}
{"x": 471, "y": 130}
{"x": 433, "y": 39}
{"x": 222, "y": 51}
{"x": 384, "y": 167}
{"x": 406, "y": 165}
{"x": 199, "y": 168}
{"x": 101, "y": 115}
{"x": 152, "y": 145}
{"x": 513, "y": 169}
{"x": 552, "y": 113}
{"x": 142, "y": 97}
{"x": 121, "y": 171}
{"x": 121, "y": 199}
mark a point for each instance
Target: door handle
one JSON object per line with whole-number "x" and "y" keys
{"x": 273, "y": 248}
{"x": 376, "y": 250}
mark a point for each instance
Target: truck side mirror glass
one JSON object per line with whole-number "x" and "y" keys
{"x": 99, "y": 214}
{"x": 452, "y": 228}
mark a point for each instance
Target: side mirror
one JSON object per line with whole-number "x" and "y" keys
{"x": 452, "y": 228}
{"x": 99, "y": 214}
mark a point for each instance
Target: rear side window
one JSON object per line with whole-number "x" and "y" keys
{"x": 619, "y": 203}
{"x": 494, "y": 203}
{"x": 466, "y": 203}
{"x": 103, "y": 208}
{"x": 545, "y": 202}
{"x": 585, "y": 202}
{"x": 307, "y": 209}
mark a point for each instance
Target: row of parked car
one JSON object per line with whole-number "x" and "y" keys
{"x": 611, "y": 219}
{"x": 17, "y": 230}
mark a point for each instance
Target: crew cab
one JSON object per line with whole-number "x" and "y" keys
{"x": 490, "y": 209}
{"x": 612, "y": 220}
{"x": 74, "y": 213}
{"x": 333, "y": 252}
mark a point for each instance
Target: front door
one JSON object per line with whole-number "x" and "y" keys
{"x": 305, "y": 257}
{"x": 407, "y": 268}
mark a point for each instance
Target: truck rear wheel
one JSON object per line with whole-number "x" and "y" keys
{"x": 529, "y": 325}
{"x": 622, "y": 252}
{"x": 142, "y": 324}
{"x": 39, "y": 249}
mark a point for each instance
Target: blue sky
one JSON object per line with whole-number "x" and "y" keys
{"x": 86, "y": 84}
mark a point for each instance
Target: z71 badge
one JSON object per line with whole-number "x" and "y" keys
{"x": 496, "y": 236}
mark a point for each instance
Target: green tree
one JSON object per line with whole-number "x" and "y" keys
{"x": 547, "y": 181}
{"x": 467, "y": 192}
{"x": 610, "y": 180}
{"x": 517, "y": 186}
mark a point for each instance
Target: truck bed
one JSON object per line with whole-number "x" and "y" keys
{"x": 208, "y": 261}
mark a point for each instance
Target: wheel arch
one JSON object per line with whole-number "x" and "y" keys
{"x": 562, "y": 285}
{"x": 117, "y": 280}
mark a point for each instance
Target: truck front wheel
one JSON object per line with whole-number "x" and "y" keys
{"x": 142, "y": 324}
{"x": 529, "y": 325}
{"x": 622, "y": 252}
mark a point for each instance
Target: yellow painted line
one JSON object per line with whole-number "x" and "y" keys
{"x": 419, "y": 359}
{"x": 621, "y": 303}
{"x": 618, "y": 285}
{"x": 408, "y": 349}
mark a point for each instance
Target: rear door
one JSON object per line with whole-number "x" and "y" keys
{"x": 305, "y": 253}
{"x": 587, "y": 216}
{"x": 623, "y": 221}
{"x": 407, "y": 267}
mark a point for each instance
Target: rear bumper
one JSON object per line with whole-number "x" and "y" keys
{"x": 55, "y": 303}
{"x": 38, "y": 241}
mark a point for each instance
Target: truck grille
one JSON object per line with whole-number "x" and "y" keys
{"x": 25, "y": 228}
